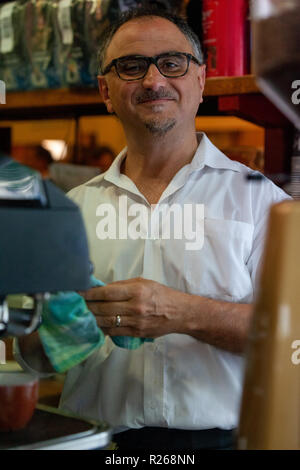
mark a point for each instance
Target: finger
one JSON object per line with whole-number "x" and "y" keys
{"x": 110, "y": 292}
{"x": 110, "y": 322}
{"x": 120, "y": 332}
{"x": 106, "y": 322}
{"x": 117, "y": 290}
{"x": 103, "y": 309}
{"x": 84, "y": 292}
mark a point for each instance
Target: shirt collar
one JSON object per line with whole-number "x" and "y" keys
{"x": 113, "y": 171}
{"x": 207, "y": 154}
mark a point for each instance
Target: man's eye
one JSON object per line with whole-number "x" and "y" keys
{"x": 171, "y": 64}
{"x": 131, "y": 67}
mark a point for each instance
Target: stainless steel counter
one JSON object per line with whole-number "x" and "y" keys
{"x": 52, "y": 429}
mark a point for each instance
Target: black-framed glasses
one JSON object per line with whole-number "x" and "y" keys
{"x": 135, "y": 67}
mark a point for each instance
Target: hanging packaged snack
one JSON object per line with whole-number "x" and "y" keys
{"x": 40, "y": 39}
{"x": 125, "y": 5}
{"x": 13, "y": 67}
{"x": 98, "y": 15}
{"x": 176, "y": 7}
{"x": 172, "y": 6}
{"x": 73, "y": 62}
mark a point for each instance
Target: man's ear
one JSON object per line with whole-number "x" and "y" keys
{"x": 201, "y": 78}
{"x": 104, "y": 93}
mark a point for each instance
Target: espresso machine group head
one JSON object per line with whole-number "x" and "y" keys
{"x": 43, "y": 245}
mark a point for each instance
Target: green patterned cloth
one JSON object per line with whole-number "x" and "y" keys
{"x": 69, "y": 331}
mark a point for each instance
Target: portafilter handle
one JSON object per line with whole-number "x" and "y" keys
{"x": 21, "y": 321}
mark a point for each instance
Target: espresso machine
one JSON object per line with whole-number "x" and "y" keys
{"x": 43, "y": 250}
{"x": 270, "y": 407}
{"x": 43, "y": 245}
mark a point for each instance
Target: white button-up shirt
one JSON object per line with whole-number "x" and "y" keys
{"x": 177, "y": 381}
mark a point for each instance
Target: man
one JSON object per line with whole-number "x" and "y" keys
{"x": 183, "y": 390}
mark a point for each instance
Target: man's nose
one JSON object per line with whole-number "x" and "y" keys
{"x": 153, "y": 78}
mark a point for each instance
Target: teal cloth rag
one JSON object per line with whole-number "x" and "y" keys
{"x": 69, "y": 331}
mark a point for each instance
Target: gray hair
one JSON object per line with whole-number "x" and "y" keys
{"x": 136, "y": 13}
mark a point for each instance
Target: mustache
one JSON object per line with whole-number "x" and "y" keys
{"x": 148, "y": 95}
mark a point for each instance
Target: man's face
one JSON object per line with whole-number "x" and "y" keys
{"x": 155, "y": 102}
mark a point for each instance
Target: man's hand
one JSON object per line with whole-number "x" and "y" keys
{"x": 146, "y": 308}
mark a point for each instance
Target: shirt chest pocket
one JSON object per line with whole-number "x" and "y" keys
{"x": 219, "y": 268}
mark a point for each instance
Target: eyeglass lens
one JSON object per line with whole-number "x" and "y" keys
{"x": 136, "y": 67}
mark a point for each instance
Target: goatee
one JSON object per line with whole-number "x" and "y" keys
{"x": 158, "y": 128}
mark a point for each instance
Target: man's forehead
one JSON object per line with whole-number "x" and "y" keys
{"x": 141, "y": 34}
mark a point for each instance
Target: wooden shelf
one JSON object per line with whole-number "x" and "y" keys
{"x": 47, "y": 104}
{"x": 233, "y": 96}
{"x": 224, "y": 86}
{"x": 65, "y": 103}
